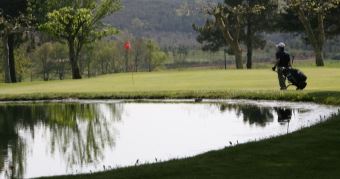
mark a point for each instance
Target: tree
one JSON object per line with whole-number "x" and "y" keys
{"x": 23, "y": 63}
{"x": 59, "y": 56}
{"x": 180, "y": 53}
{"x": 43, "y": 54}
{"x": 139, "y": 52}
{"x": 78, "y": 26}
{"x": 103, "y": 56}
{"x": 332, "y": 23}
{"x": 13, "y": 23}
{"x": 230, "y": 18}
{"x": 257, "y": 22}
{"x": 157, "y": 59}
{"x": 48, "y": 59}
{"x": 151, "y": 48}
{"x": 312, "y": 15}
{"x": 224, "y": 17}
{"x": 210, "y": 36}
{"x": 155, "y": 56}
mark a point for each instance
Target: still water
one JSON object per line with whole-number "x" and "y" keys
{"x": 69, "y": 137}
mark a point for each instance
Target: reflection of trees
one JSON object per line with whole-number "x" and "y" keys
{"x": 14, "y": 148}
{"x": 79, "y": 131}
{"x": 252, "y": 114}
{"x": 11, "y": 145}
{"x": 90, "y": 129}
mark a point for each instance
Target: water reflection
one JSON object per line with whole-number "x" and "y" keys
{"x": 284, "y": 115}
{"x": 79, "y": 131}
{"x": 254, "y": 115}
{"x": 43, "y": 139}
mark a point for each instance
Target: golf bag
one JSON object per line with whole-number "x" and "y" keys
{"x": 296, "y": 78}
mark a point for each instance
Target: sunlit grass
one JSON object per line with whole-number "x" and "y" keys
{"x": 254, "y": 84}
{"x": 319, "y": 79}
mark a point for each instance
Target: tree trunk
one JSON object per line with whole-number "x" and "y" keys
{"x": 249, "y": 57}
{"x": 46, "y": 76}
{"x": 88, "y": 69}
{"x": 149, "y": 65}
{"x": 149, "y": 60}
{"x": 107, "y": 67}
{"x": 317, "y": 39}
{"x": 62, "y": 72}
{"x": 10, "y": 72}
{"x": 319, "y": 53}
{"x": 238, "y": 55}
{"x": 249, "y": 45}
{"x": 6, "y": 61}
{"x": 319, "y": 58}
{"x": 74, "y": 61}
{"x": 102, "y": 65}
{"x": 225, "y": 58}
{"x": 233, "y": 41}
{"x": 11, "y": 59}
{"x": 238, "y": 59}
{"x": 44, "y": 66}
{"x": 113, "y": 66}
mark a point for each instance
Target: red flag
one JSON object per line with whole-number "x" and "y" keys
{"x": 127, "y": 45}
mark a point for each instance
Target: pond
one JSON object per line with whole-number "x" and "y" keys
{"x": 71, "y": 137}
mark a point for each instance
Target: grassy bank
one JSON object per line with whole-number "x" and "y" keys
{"x": 323, "y": 86}
{"x": 310, "y": 153}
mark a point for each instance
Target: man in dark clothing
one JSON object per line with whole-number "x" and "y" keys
{"x": 282, "y": 61}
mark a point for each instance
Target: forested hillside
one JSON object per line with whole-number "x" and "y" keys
{"x": 166, "y": 21}
{"x": 169, "y": 22}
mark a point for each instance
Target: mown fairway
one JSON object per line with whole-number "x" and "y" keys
{"x": 320, "y": 79}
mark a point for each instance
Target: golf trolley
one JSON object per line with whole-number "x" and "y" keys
{"x": 295, "y": 78}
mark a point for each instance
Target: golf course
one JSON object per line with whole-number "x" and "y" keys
{"x": 128, "y": 89}
{"x": 309, "y": 153}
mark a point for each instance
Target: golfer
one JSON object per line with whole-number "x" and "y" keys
{"x": 282, "y": 61}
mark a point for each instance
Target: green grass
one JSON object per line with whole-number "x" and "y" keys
{"x": 323, "y": 86}
{"x": 309, "y": 153}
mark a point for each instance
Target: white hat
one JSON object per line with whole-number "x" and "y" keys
{"x": 281, "y": 44}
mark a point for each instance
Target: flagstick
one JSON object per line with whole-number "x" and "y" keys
{"x": 133, "y": 80}
{"x": 127, "y": 47}
{"x": 127, "y": 57}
